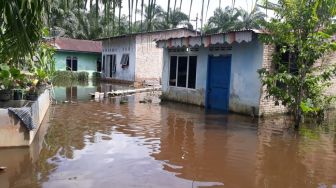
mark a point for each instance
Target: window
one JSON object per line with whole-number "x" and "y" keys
{"x": 99, "y": 67}
{"x": 74, "y": 64}
{"x": 183, "y": 71}
{"x": 124, "y": 61}
{"x": 172, "y": 74}
{"x": 192, "y": 72}
{"x": 68, "y": 63}
{"x": 287, "y": 62}
{"x": 103, "y": 67}
{"x": 71, "y": 63}
{"x": 112, "y": 64}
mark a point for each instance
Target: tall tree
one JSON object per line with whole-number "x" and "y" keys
{"x": 251, "y": 20}
{"x": 177, "y": 18}
{"x": 302, "y": 33}
{"x": 154, "y": 17}
{"x": 224, "y": 20}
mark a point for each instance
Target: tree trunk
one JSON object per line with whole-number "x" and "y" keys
{"x": 298, "y": 112}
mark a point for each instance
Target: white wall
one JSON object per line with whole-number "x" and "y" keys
{"x": 245, "y": 85}
{"x": 120, "y": 46}
{"x": 149, "y": 57}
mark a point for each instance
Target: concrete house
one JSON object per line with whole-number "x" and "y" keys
{"x": 134, "y": 57}
{"x": 77, "y": 55}
{"x": 218, "y": 71}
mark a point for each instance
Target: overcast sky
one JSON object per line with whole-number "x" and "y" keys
{"x": 197, "y": 6}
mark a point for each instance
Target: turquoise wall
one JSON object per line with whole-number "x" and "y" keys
{"x": 86, "y": 61}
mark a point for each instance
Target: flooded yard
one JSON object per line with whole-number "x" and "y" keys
{"x": 111, "y": 144}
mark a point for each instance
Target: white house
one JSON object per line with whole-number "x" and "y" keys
{"x": 134, "y": 57}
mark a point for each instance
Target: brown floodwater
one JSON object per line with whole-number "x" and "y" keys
{"x": 107, "y": 144}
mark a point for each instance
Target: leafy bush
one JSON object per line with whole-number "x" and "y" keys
{"x": 61, "y": 77}
{"x": 82, "y": 76}
{"x": 96, "y": 75}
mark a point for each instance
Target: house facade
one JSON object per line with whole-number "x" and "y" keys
{"x": 134, "y": 57}
{"x": 218, "y": 72}
{"x": 77, "y": 55}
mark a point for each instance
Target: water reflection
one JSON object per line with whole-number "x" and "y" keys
{"x": 106, "y": 143}
{"x": 80, "y": 92}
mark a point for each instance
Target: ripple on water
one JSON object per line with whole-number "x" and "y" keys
{"x": 172, "y": 145}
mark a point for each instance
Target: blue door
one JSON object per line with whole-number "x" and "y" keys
{"x": 218, "y": 89}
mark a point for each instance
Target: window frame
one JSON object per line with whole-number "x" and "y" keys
{"x": 187, "y": 76}
{"x": 71, "y": 59}
{"x": 124, "y": 61}
{"x": 112, "y": 64}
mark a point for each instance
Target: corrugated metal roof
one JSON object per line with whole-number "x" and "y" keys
{"x": 76, "y": 45}
{"x": 222, "y": 33}
{"x": 147, "y": 32}
{"x": 207, "y": 40}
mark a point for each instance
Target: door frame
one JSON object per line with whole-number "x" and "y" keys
{"x": 208, "y": 80}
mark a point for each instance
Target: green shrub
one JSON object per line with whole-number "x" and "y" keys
{"x": 96, "y": 75}
{"x": 82, "y": 76}
{"x": 69, "y": 77}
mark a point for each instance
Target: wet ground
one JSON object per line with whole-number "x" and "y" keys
{"x": 112, "y": 144}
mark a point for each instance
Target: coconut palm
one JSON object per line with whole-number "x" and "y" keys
{"x": 177, "y": 18}
{"x": 70, "y": 19}
{"x": 153, "y": 17}
{"x": 224, "y": 20}
{"x": 251, "y": 20}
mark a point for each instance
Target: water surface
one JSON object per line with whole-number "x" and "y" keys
{"x": 108, "y": 144}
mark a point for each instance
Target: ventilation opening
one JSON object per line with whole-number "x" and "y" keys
{"x": 177, "y": 50}
{"x": 194, "y": 49}
{"x": 220, "y": 48}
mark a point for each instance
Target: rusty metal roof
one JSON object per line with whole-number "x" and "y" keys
{"x": 76, "y": 45}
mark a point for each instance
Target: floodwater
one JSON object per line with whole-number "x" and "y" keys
{"x": 108, "y": 144}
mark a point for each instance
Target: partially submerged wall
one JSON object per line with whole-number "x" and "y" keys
{"x": 186, "y": 95}
{"x": 245, "y": 85}
{"x": 86, "y": 62}
{"x": 118, "y": 47}
{"x": 267, "y": 105}
{"x": 13, "y": 132}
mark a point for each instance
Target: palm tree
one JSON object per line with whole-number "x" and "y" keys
{"x": 70, "y": 19}
{"x": 251, "y": 20}
{"x": 153, "y": 17}
{"x": 176, "y": 19}
{"x": 224, "y": 20}
{"x": 21, "y": 24}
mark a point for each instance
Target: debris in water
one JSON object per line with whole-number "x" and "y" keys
{"x": 123, "y": 101}
{"x": 2, "y": 168}
{"x": 146, "y": 101}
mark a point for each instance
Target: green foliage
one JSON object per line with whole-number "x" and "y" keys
{"x": 69, "y": 77}
{"x": 10, "y": 77}
{"x": 96, "y": 75}
{"x": 21, "y": 24}
{"x": 231, "y": 18}
{"x": 301, "y": 32}
{"x": 70, "y": 19}
{"x": 83, "y": 76}
{"x": 44, "y": 67}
